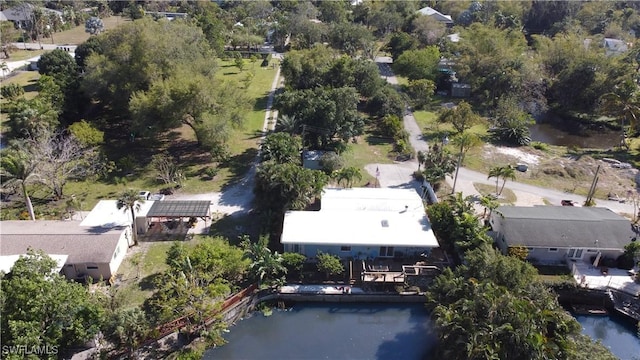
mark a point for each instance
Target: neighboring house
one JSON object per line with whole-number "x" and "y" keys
{"x": 435, "y": 14}
{"x": 361, "y": 223}
{"x": 559, "y": 234}
{"x": 95, "y": 252}
{"x": 614, "y": 46}
{"x": 22, "y": 15}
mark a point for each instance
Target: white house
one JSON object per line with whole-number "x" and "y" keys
{"x": 435, "y": 14}
{"x": 560, "y": 234}
{"x": 95, "y": 252}
{"x": 362, "y": 223}
{"x": 106, "y": 215}
{"x": 22, "y": 15}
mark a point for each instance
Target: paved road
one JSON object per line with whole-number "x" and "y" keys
{"x": 400, "y": 174}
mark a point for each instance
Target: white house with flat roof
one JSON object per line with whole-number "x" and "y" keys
{"x": 362, "y": 223}
{"x": 106, "y": 215}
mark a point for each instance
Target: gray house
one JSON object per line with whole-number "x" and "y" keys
{"x": 95, "y": 252}
{"x": 560, "y": 234}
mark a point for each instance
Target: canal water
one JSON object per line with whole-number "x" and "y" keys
{"x": 566, "y": 135}
{"x": 371, "y": 331}
{"x": 332, "y": 331}
{"x": 615, "y": 334}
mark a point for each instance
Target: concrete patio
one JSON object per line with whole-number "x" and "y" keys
{"x": 592, "y": 277}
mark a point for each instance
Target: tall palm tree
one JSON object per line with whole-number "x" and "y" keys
{"x": 489, "y": 204}
{"x": 495, "y": 172}
{"x": 465, "y": 141}
{"x": 16, "y": 168}
{"x": 129, "y": 200}
{"x": 507, "y": 173}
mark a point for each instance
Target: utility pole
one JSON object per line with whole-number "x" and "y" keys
{"x": 592, "y": 189}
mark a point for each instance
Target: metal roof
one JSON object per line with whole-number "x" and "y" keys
{"x": 182, "y": 208}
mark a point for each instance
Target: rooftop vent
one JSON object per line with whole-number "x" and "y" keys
{"x": 385, "y": 223}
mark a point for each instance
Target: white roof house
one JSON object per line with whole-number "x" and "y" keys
{"x": 107, "y": 215}
{"x": 362, "y": 217}
{"x": 435, "y": 14}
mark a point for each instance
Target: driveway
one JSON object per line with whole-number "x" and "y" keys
{"x": 400, "y": 174}
{"x": 237, "y": 199}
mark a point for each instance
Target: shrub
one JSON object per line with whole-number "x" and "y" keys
{"x": 11, "y": 91}
{"x": 211, "y": 171}
{"x": 329, "y": 264}
{"x": 331, "y": 162}
{"x": 539, "y": 145}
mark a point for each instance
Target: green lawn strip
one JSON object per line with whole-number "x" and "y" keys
{"x": 507, "y": 196}
{"x": 22, "y": 54}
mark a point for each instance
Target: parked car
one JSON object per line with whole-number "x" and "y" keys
{"x": 144, "y": 195}
{"x": 568, "y": 203}
{"x": 156, "y": 197}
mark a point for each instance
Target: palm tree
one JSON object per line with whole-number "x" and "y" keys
{"x": 130, "y": 200}
{"x": 507, "y": 173}
{"x": 288, "y": 124}
{"x": 488, "y": 203}
{"x": 349, "y": 175}
{"x": 495, "y": 172}
{"x": 465, "y": 141}
{"x": 16, "y": 168}
{"x": 626, "y": 108}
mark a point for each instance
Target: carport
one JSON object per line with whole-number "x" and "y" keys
{"x": 168, "y": 216}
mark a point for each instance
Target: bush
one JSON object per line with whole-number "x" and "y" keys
{"x": 540, "y": 145}
{"x": 211, "y": 172}
{"x": 331, "y": 162}
{"x": 329, "y": 264}
{"x": 11, "y": 91}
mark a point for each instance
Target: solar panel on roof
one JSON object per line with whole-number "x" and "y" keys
{"x": 183, "y": 208}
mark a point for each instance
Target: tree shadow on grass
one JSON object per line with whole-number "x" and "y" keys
{"x": 374, "y": 139}
{"x": 148, "y": 283}
{"x": 261, "y": 102}
{"x": 239, "y": 165}
{"x": 232, "y": 227}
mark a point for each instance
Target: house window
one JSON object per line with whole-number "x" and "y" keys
{"x": 115, "y": 254}
{"x": 345, "y": 248}
{"x": 592, "y": 251}
{"x": 553, "y": 249}
{"x": 296, "y": 248}
{"x": 92, "y": 267}
{"x": 386, "y": 251}
{"x": 529, "y": 249}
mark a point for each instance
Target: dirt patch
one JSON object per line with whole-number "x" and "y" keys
{"x": 567, "y": 173}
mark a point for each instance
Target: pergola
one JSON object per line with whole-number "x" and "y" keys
{"x": 180, "y": 209}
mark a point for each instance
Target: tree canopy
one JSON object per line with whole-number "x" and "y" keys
{"x": 40, "y": 308}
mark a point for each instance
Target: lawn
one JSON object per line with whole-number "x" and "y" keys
{"x": 77, "y": 35}
{"x": 22, "y": 54}
{"x": 243, "y": 146}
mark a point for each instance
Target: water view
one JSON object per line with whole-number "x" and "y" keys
{"x": 371, "y": 331}
{"x": 566, "y": 136}
{"x": 332, "y": 331}
{"x": 619, "y": 337}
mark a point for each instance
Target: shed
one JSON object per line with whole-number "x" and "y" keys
{"x": 106, "y": 214}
